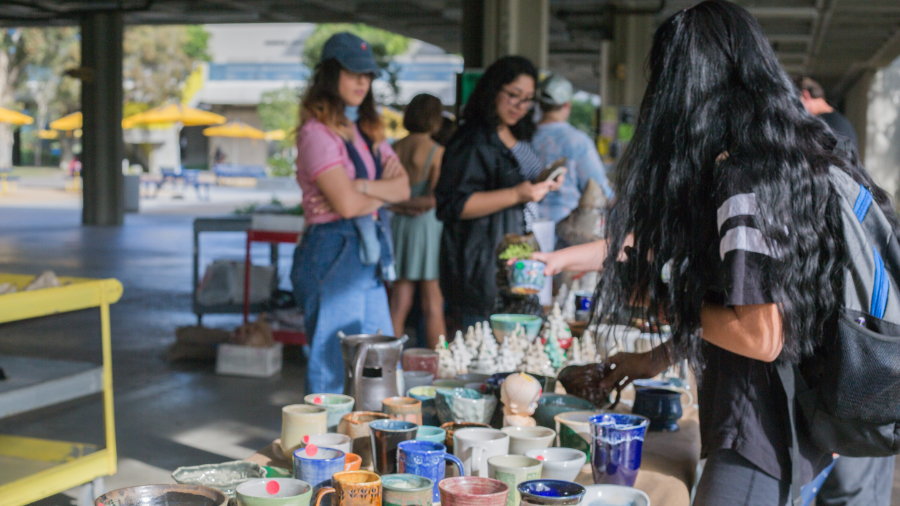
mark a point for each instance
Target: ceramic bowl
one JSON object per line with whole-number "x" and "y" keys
{"x": 522, "y": 439}
{"x": 274, "y": 492}
{"x": 464, "y": 405}
{"x": 412, "y": 379}
{"x": 340, "y": 442}
{"x": 352, "y": 462}
{"x": 504, "y": 324}
{"x": 604, "y": 495}
{"x": 432, "y": 434}
{"x": 426, "y": 395}
{"x": 448, "y": 383}
{"x": 550, "y": 493}
{"x": 224, "y": 477}
{"x": 661, "y": 405}
{"x": 336, "y": 405}
{"x": 526, "y": 277}
{"x": 182, "y": 495}
{"x": 559, "y": 463}
{"x": 551, "y": 405}
{"x": 473, "y": 377}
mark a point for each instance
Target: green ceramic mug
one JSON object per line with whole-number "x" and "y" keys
{"x": 431, "y": 434}
{"x": 406, "y": 490}
{"x": 274, "y": 492}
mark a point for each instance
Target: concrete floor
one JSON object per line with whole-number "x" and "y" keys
{"x": 167, "y": 415}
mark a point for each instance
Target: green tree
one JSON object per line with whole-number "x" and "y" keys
{"x": 385, "y": 45}
{"x": 13, "y": 60}
{"x": 280, "y": 109}
{"x": 197, "y": 45}
{"x": 582, "y": 117}
{"x": 157, "y": 62}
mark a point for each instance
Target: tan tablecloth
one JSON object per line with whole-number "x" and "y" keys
{"x": 668, "y": 463}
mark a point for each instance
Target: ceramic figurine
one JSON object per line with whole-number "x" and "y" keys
{"x": 446, "y": 365}
{"x": 554, "y": 352}
{"x": 486, "y": 362}
{"x": 519, "y": 394}
{"x": 575, "y": 356}
{"x": 473, "y": 339}
{"x": 536, "y": 361}
{"x": 514, "y": 343}
{"x": 461, "y": 356}
{"x": 489, "y": 340}
{"x": 507, "y": 359}
{"x": 589, "y": 348}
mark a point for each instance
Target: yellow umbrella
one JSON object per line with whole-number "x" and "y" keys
{"x": 393, "y": 123}
{"x": 14, "y": 117}
{"x": 173, "y": 113}
{"x": 275, "y": 135}
{"x": 67, "y": 123}
{"x": 47, "y": 134}
{"x": 235, "y": 129}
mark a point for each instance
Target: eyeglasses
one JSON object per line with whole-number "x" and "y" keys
{"x": 516, "y": 100}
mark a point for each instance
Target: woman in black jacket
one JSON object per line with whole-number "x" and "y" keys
{"x": 483, "y": 189}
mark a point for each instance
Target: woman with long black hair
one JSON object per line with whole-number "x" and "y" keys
{"x": 485, "y": 184}
{"x": 732, "y": 233}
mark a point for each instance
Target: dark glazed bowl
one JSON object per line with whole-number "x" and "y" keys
{"x": 661, "y": 405}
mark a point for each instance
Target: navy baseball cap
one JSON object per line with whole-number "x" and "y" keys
{"x": 353, "y": 53}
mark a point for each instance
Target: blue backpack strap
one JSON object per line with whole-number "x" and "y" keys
{"x": 881, "y": 283}
{"x": 863, "y": 201}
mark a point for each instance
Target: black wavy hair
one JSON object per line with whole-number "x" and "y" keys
{"x": 481, "y": 108}
{"x": 718, "y": 110}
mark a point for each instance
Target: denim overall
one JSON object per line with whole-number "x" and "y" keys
{"x": 338, "y": 277}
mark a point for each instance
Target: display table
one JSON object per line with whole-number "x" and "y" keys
{"x": 668, "y": 463}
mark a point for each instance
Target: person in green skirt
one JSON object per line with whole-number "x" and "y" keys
{"x": 415, "y": 228}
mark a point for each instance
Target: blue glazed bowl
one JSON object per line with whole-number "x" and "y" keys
{"x": 526, "y": 277}
{"x": 503, "y": 324}
{"x": 550, "y": 492}
{"x": 551, "y": 405}
{"x": 464, "y": 405}
{"x": 661, "y": 405}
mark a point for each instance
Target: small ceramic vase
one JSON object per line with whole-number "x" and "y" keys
{"x": 519, "y": 394}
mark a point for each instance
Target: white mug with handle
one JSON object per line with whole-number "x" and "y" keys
{"x": 476, "y": 445}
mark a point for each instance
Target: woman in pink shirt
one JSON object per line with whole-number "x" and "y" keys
{"x": 347, "y": 172}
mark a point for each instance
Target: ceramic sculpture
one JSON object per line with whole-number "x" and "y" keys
{"x": 507, "y": 357}
{"x": 519, "y": 394}
{"x": 486, "y": 361}
{"x": 461, "y": 356}
{"x": 554, "y": 352}
{"x": 589, "y": 348}
{"x": 536, "y": 361}
{"x": 446, "y": 365}
{"x": 575, "y": 356}
{"x": 473, "y": 339}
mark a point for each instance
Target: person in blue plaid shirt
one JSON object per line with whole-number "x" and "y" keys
{"x": 556, "y": 138}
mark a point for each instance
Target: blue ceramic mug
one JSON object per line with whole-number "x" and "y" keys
{"x": 526, "y": 276}
{"x": 426, "y": 459}
{"x": 616, "y": 443}
{"x": 316, "y": 465}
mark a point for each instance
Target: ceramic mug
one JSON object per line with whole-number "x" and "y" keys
{"x": 661, "y": 405}
{"x": 431, "y": 434}
{"x": 475, "y": 446}
{"x": 352, "y": 462}
{"x": 613, "y": 494}
{"x": 336, "y": 405}
{"x": 426, "y": 395}
{"x": 385, "y": 436}
{"x": 451, "y": 427}
{"x": 299, "y": 420}
{"x": 406, "y": 490}
{"x": 464, "y": 405}
{"x": 526, "y": 277}
{"x": 574, "y": 430}
{"x": 406, "y": 409}
{"x": 274, "y": 492}
{"x": 616, "y": 443}
{"x": 334, "y": 441}
{"x": 426, "y": 459}
{"x": 420, "y": 359}
{"x": 512, "y": 470}
{"x": 356, "y": 425}
{"x": 316, "y": 465}
{"x": 551, "y": 493}
{"x": 353, "y": 488}
{"x": 559, "y": 463}
{"x": 413, "y": 379}
{"x": 522, "y": 439}
{"x": 473, "y": 491}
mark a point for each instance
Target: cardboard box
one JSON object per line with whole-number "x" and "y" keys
{"x": 252, "y": 361}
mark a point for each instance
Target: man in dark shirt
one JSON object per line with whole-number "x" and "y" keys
{"x": 853, "y": 481}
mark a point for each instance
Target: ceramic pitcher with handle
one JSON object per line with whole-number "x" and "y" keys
{"x": 370, "y": 368}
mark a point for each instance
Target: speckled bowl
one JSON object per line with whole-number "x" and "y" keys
{"x": 224, "y": 477}
{"x": 464, "y": 405}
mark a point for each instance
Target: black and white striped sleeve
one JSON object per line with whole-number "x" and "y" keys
{"x": 745, "y": 258}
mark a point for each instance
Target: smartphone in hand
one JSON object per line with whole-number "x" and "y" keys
{"x": 552, "y": 171}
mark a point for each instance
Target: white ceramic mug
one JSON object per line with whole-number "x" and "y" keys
{"x": 522, "y": 439}
{"x": 475, "y": 446}
{"x": 336, "y": 441}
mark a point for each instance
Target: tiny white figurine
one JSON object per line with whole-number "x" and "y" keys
{"x": 536, "y": 361}
{"x": 589, "y": 348}
{"x": 473, "y": 339}
{"x": 446, "y": 365}
{"x": 575, "y": 356}
{"x": 461, "y": 357}
{"x": 507, "y": 357}
{"x": 519, "y": 394}
{"x": 485, "y": 363}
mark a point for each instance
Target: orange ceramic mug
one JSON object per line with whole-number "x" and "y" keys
{"x": 352, "y": 462}
{"x": 353, "y": 488}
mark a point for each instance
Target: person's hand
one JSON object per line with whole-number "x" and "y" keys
{"x": 532, "y": 192}
{"x": 552, "y": 261}
{"x": 319, "y": 206}
{"x": 627, "y": 367}
{"x": 557, "y": 183}
{"x": 392, "y": 168}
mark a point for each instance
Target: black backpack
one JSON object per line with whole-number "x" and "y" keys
{"x": 852, "y": 408}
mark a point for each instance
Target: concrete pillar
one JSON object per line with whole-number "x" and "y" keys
{"x": 633, "y": 38}
{"x": 101, "y": 106}
{"x": 519, "y": 27}
{"x": 856, "y": 108}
